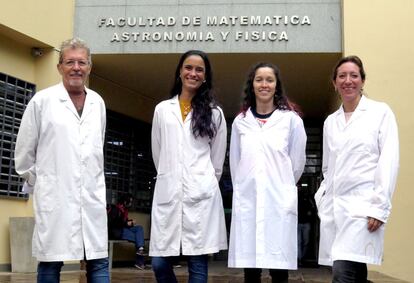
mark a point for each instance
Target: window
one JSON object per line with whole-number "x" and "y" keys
{"x": 313, "y": 151}
{"x": 128, "y": 162}
{"x": 14, "y": 96}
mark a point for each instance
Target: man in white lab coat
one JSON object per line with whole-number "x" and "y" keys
{"x": 59, "y": 152}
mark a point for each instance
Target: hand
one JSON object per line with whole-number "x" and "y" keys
{"x": 27, "y": 188}
{"x": 374, "y": 224}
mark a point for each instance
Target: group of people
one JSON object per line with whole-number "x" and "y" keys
{"x": 59, "y": 152}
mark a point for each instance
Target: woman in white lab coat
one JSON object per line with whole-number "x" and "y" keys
{"x": 267, "y": 158}
{"x": 188, "y": 147}
{"x": 360, "y": 165}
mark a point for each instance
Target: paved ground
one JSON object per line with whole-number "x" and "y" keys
{"x": 218, "y": 273}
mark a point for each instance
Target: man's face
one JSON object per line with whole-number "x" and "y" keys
{"x": 74, "y": 68}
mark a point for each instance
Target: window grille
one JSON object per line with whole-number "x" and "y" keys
{"x": 14, "y": 96}
{"x": 313, "y": 151}
{"x": 128, "y": 161}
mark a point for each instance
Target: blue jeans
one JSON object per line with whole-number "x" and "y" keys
{"x": 96, "y": 271}
{"x": 303, "y": 239}
{"x": 134, "y": 234}
{"x": 197, "y": 269}
{"x": 344, "y": 271}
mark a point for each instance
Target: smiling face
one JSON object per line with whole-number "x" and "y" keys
{"x": 264, "y": 85}
{"x": 74, "y": 69}
{"x": 348, "y": 82}
{"x": 192, "y": 73}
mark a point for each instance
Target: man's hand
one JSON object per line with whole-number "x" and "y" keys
{"x": 27, "y": 188}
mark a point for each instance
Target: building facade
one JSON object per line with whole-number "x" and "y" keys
{"x": 136, "y": 44}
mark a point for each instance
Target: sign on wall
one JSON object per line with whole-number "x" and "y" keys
{"x": 158, "y": 27}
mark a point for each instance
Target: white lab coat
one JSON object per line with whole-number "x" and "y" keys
{"x": 61, "y": 155}
{"x": 266, "y": 163}
{"x": 187, "y": 210}
{"x": 360, "y": 165}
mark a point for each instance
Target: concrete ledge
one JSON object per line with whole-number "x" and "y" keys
{"x": 111, "y": 250}
{"x": 6, "y": 267}
{"x": 21, "y": 231}
{"x": 71, "y": 267}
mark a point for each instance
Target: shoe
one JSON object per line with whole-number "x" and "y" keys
{"x": 177, "y": 265}
{"x": 140, "y": 267}
{"x": 141, "y": 252}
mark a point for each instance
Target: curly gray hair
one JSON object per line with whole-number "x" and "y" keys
{"x": 74, "y": 43}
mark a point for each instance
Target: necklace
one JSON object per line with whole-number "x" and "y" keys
{"x": 186, "y": 109}
{"x": 185, "y": 106}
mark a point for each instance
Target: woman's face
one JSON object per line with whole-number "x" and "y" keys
{"x": 348, "y": 82}
{"x": 264, "y": 85}
{"x": 192, "y": 73}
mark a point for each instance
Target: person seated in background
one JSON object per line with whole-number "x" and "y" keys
{"x": 306, "y": 214}
{"x": 120, "y": 227}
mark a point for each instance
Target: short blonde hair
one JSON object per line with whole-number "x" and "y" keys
{"x": 74, "y": 43}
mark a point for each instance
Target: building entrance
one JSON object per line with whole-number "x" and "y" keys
{"x": 133, "y": 84}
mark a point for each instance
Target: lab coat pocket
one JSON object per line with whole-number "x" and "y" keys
{"x": 45, "y": 193}
{"x": 246, "y": 228}
{"x": 358, "y": 209}
{"x": 364, "y": 141}
{"x": 98, "y": 155}
{"x": 358, "y": 200}
{"x": 290, "y": 199}
{"x": 319, "y": 196}
{"x": 324, "y": 203}
{"x": 164, "y": 188}
{"x": 202, "y": 186}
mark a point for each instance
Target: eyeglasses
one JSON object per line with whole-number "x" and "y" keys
{"x": 71, "y": 63}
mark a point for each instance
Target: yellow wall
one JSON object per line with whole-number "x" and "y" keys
{"x": 47, "y": 21}
{"x": 380, "y": 32}
{"x": 44, "y": 23}
{"x": 15, "y": 59}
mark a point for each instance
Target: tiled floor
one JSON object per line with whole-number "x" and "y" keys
{"x": 218, "y": 273}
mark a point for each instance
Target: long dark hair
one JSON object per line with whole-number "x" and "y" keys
{"x": 203, "y": 102}
{"x": 280, "y": 101}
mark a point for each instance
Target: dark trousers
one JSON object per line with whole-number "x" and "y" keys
{"x": 254, "y": 275}
{"x": 344, "y": 271}
{"x": 96, "y": 271}
{"x": 197, "y": 269}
